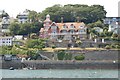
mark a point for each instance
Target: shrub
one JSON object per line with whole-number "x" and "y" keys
{"x": 32, "y": 54}
{"x": 114, "y": 35}
{"x": 53, "y": 46}
{"x": 60, "y": 55}
{"x": 79, "y": 57}
{"x": 117, "y": 46}
{"x": 79, "y": 42}
{"x": 107, "y": 47}
{"x": 67, "y": 56}
{"x": 113, "y": 46}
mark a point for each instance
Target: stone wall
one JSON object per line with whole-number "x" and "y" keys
{"x": 91, "y": 55}
{"x": 93, "y": 59}
{"x": 7, "y": 64}
{"x": 62, "y": 64}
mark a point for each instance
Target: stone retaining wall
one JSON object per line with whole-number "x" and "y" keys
{"x": 61, "y": 64}
{"x": 91, "y": 55}
{"x": 93, "y": 59}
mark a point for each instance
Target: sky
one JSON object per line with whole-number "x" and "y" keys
{"x": 14, "y": 7}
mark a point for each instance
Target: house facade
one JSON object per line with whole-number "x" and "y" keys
{"x": 23, "y": 17}
{"x": 110, "y": 20}
{"x": 6, "y": 41}
{"x": 65, "y": 31}
{"x": 4, "y": 24}
{"x": 114, "y": 27}
{"x": 114, "y": 24}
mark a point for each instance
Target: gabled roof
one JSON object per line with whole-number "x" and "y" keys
{"x": 76, "y": 24}
{"x": 53, "y": 23}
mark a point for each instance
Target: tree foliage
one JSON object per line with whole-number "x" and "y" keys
{"x": 33, "y": 16}
{"x": 70, "y": 12}
{"x": 25, "y": 28}
{"x": 14, "y": 28}
{"x": 62, "y": 55}
{"x": 79, "y": 57}
{"x": 96, "y": 24}
{"x": 36, "y": 43}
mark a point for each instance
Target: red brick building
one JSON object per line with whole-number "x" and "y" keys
{"x": 65, "y": 31}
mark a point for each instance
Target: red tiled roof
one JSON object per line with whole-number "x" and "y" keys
{"x": 75, "y": 24}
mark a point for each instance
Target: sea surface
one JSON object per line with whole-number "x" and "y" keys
{"x": 59, "y": 73}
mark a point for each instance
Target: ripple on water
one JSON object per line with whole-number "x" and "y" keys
{"x": 57, "y": 73}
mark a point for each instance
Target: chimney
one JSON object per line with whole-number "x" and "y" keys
{"x": 78, "y": 19}
{"x": 61, "y": 19}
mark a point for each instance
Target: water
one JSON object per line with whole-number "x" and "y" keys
{"x": 58, "y": 73}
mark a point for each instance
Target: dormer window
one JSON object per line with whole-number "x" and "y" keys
{"x": 81, "y": 26}
{"x": 64, "y": 27}
{"x": 71, "y": 26}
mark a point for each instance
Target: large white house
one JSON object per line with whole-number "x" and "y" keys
{"x": 4, "y": 24}
{"x": 23, "y": 17}
{"x": 114, "y": 27}
{"x": 114, "y": 24}
{"x": 6, "y": 41}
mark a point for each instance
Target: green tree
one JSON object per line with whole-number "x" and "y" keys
{"x": 14, "y": 28}
{"x": 36, "y": 43}
{"x": 32, "y": 54}
{"x": 94, "y": 32}
{"x": 102, "y": 34}
{"x": 6, "y": 49}
{"x": 70, "y": 12}
{"x": 115, "y": 35}
{"x": 96, "y": 24}
{"x": 25, "y": 29}
{"x": 107, "y": 33}
{"x": 35, "y": 27}
{"x": 33, "y": 16}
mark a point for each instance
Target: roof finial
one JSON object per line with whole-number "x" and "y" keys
{"x": 48, "y": 16}
{"x": 78, "y": 19}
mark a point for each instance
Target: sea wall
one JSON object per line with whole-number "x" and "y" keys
{"x": 38, "y": 64}
{"x": 72, "y": 64}
{"x": 7, "y": 64}
{"x": 104, "y": 59}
